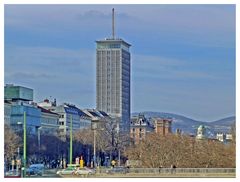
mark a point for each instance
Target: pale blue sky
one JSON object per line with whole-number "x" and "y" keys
{"x": 183, "y": 56}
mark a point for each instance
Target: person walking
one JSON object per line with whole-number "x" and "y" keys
{"x": 113, "y": 163}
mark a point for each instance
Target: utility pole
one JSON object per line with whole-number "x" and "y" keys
{"x": 94, "y": 148}
{"x": 70, "y": 158}
{"x": 94, "y": 128}
{"x": 24, "y": 143}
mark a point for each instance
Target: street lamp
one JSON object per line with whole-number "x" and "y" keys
{"x": 116, "y": 128}
{"x": 24, "y": 143}
{"x": 39, "y": 139}
{"x": 71, "y": 140}
{"x": 94, "y": 128}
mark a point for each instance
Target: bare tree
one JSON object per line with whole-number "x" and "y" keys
{"x": 11, "y": 142}
{"x": 182, "y": 151}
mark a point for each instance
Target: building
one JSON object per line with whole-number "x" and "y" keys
{"x": 163, "y": 126}
{"x": 33, "y": 115}
{"x": 67, "y": 113}
{"x": 49, "y": 122}
{"x": 201, "y": 132}
{"x": 16, "y": 93}
{"x": 178, "y": 131}
{"x": 139, "y": 128}
{"x": 7, "y": 112}
{"x": 221, "y": 137}
{"x": 20, "y": 98}
{"x": 98, "y": 118}
{"x": 224, "y": 137}
{"x": 113, "y": 79}
{"x": 47, "y": 104}
{"x": 229, "y": 137}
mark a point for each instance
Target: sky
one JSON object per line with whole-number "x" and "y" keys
{"x": 182, "y": 56}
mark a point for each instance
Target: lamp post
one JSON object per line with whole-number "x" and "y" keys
{"x": 39, "y": 140}
{"x": 94, "y": 148}
{"x": 18, "y": 159}
{"x": 117, "y": 120}
{"x": 24, "y": 144}
{"x": 94, "y": 127}
{"x": 71, "y": 138}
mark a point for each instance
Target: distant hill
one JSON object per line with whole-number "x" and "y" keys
{"x": 189, "y": 126}
{"x": 225, "y": 121}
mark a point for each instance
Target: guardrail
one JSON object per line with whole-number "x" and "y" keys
{"x": 174, "y": 170}
{"x": 182, "y": 170}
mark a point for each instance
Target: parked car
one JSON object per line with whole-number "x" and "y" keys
{"x": 85, "y": 171}
{"x": 35, "y": 169}
{"x": 68, "y": 170}
{"x": 117, "y": 169}
{"x": 13, "y": 173}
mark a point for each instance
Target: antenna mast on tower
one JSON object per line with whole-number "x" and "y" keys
{"x": 113, "y": 30}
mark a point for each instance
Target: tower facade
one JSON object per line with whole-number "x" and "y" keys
{"x": 113, "y": 62}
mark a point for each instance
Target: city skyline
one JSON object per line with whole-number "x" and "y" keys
{"x": 177, "y": 56}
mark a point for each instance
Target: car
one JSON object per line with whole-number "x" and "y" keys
{"x": 117, "y": 169}
{"x": 84, "y": 171}
{"x": 69, "y": 170}
{"x": 13, "y": 173}
{"x": 35, "y": 169}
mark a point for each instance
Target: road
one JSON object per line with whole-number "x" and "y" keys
{"x": 51, "y": 173}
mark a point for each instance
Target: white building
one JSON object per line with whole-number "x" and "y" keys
{"x": 224, "y": 137}
{"x": 221, "y": 137}
{"x": 201, "y": 133}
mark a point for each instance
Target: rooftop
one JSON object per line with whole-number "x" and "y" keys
{"x": 46, "y": 111}
{"x": 111, "y": 40}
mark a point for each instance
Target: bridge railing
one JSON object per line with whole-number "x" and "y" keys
{"x": 174, "y": 170}
{"x": 182, "y": 170}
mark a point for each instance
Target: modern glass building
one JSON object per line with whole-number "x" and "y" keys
{"x": 113, "y": 80}
{"x": 33, "y": 116}
{"x": 12, "y": 92}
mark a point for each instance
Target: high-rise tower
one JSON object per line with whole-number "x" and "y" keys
{"x": 113, "y": 78}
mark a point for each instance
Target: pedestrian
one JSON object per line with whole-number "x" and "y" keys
{"x": 171, "y": 169}
{"x": 174, "y": 168}
{"x": 113, "y": 163}
{"x": 160, "y": 168}
{"x": 81, "y": 163}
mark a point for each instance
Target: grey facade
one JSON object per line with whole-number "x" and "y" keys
{"x": 113, "y": 66}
